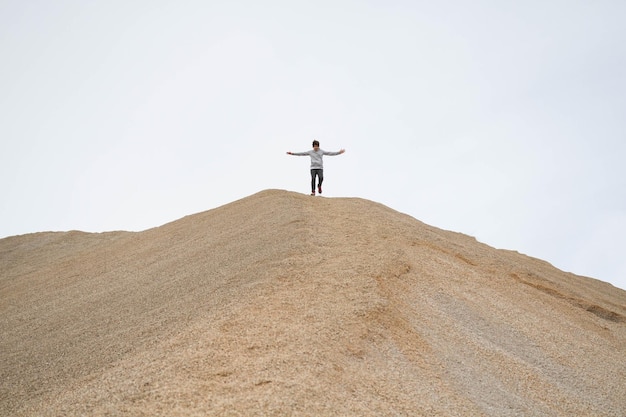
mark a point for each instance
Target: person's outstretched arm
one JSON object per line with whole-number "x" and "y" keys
{"x": 297, "y": 153}
{"x": 334, "y": 153}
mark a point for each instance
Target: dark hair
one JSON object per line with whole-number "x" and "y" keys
{"x": 316, "y": 143}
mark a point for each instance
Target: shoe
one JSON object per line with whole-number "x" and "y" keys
{"x": 319, "y": 189}
{"x": 312, "y": 192}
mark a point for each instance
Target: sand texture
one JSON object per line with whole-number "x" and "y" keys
{"x": 282, "y": 304}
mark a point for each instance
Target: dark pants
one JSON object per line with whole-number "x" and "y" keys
{"x": 320, "y": 176}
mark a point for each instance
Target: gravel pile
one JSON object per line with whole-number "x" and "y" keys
{"x": 287, "y": 304}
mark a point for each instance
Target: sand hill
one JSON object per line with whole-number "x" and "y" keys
{"x": 283, "y": 304}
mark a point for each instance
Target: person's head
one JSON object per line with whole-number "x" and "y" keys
{"x": 316, "y": 144}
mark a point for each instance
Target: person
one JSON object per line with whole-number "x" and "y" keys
{"x": 317, "y": 163}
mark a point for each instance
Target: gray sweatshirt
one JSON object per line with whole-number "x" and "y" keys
{"x": 316, "y": 157}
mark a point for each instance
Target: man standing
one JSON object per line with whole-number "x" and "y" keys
{"x": 317, "y": 164}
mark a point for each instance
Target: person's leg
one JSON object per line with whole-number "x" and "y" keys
{"x": 313, "y": 173}
{"x": 320, "y": 178}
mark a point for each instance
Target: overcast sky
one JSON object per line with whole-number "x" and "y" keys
{"x": 503, "y": 120}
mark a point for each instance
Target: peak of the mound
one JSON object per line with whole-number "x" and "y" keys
{"x": 287, "y": 304}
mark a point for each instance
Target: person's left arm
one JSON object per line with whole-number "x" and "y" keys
{"x": 334, "y": 153}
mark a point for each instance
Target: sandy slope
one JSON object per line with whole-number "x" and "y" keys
{"x": 286, "y": 304}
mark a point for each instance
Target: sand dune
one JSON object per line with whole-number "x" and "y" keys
{"x": 286, "y": 304}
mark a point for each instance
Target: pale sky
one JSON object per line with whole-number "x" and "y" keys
{"x": 503, "y": 120}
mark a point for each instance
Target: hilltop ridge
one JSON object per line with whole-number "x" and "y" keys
{"x": 286, "y": 304}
